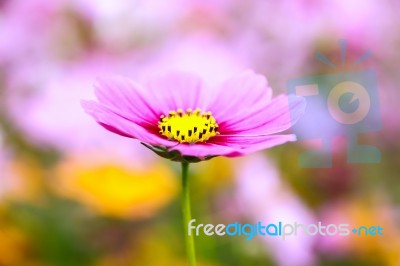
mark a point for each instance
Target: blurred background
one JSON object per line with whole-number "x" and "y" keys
{"x": 73, "y": 194}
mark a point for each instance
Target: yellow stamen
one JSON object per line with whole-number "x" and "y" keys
{"x": 188, "y": 127}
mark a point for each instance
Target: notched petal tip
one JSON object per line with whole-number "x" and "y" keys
{"x": 109, "y": 87}
{"x": 88, "y": 106}
{"x": 297, "y": 108}
{"x": 176, "y": 74}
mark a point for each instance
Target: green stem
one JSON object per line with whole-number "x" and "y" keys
{"x": 187, "y": 215}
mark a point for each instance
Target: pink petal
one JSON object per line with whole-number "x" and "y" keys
{"x": 266, "y": 118}
{"x": 246, "y": 145}
{"x": 175, "y": 90}
{"x": 240, "y": 93}
{"x": 232, "y": 146}
{"x": 121, "y": 125}
{"x": 128, "y": 99}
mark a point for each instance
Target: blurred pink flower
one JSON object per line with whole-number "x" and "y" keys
{"x": 263, "y": 196}
{"x": 166, "y": 115}
{"x": 46, "y": 94}
{"x": 199, "y": 52}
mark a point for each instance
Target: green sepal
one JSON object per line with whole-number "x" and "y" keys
{"x": 175, "y": 155}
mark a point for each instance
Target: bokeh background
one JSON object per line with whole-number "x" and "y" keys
{"x": 73, "y": 194}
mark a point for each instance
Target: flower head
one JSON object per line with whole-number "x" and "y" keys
{"x": 180, "y": 118}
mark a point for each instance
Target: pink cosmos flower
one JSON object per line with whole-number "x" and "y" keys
{"x": 180, "y": 118}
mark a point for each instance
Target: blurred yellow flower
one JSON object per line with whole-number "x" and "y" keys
{"x": 15, "y": 248}
{"x": 388, "y": 245}
{"x": 115, "y": 187}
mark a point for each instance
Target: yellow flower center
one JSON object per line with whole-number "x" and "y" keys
{"x": 188, "y": 127}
